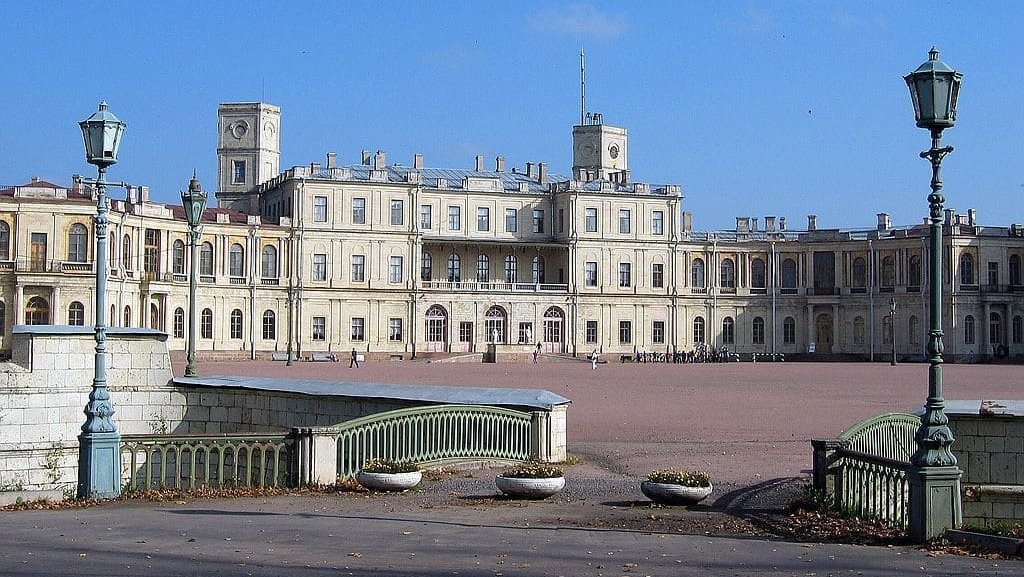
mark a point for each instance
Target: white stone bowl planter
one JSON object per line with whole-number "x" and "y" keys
{"x": 389, "y": 481}
{"x": 523, "y": 488}
{"x": 669, "y": 494}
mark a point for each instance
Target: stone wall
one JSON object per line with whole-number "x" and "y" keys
{"x": 989, "y": 449}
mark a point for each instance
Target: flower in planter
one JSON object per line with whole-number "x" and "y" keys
{"x": 389, "y": 475}
{"x": 533, "y": 470}
{"x": 389, "y": 466}
{"x": 680, "y": 477}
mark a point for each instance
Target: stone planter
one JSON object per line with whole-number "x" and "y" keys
{"x": 669, "y": 494}
{"x": 522, "y": 488}
{"x": 389, "y": 481}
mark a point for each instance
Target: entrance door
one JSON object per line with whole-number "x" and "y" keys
{"x": 554, "y": 331}
{"x": 823, "y": 336}
{"x": 37, "y": 257}
{"x": 436, "y": 329}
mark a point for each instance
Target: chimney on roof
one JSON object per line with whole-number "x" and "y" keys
{"x": 753, "y": 224}
{"x": 314, "y": 167}
{"x": 144, "y": 193}
{"x": 769, "y": 224}
{"x": 542, "y": 173}
{"x": 332, "y": 160}
{"x": 812, "y": 222}
{"x": 35, "y": 179}
{"x": 417, "y": 161}
{"x": 949, "y": 212}
{"x": 380, "y": 160}
{"x": 742, "y": 224}
{"x": 479, "y": 163}
{"x": 884, "y": 221}
{"x": 366, "y": 158}
{"x": 499, "y": 164}
{"x": 529, "y": 169}
{"x": 972, "y": 217}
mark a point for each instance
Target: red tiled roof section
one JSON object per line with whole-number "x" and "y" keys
{"x": 210, "y": 214}
{"x": 72, "y": 193}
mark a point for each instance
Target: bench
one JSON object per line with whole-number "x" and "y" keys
{"x": 625, "y": 358}
{"x": 396, "y": 357}
{"x": 323, "y": 358}
{"x": 282, "y": 357}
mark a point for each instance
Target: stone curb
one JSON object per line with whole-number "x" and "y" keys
{"x": 1006, "y": 545}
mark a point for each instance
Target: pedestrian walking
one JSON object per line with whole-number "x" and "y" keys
{"x": 536, "y": 353}
{"x": 593, "y": 360}
{"x": 354, "y": 361}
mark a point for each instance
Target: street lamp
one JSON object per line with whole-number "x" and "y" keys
{"x": 934, "y": 476}
{"x": 99, "y": 444}
{"x": 892, "y": 328}
{"x": 194, "y": 202}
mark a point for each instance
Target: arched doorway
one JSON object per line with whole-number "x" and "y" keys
{"x": 495, "y": 325}
{"x": 436, "y": 329}
{"x": 37, "y": 311}
{"x": 823, "y": 333}
{"x": 554, "y": 331}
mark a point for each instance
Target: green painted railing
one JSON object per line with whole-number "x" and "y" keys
{"x": 215, "y": 461}
{"x": 865, "y": 468}
{"x": 436, "y": 435}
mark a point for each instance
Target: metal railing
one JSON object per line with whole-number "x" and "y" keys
{"x": 864, "y": 470}
{"x": 473, "y": 286}
{"x": 215, "y": 461}
{"x": 436, "y": 435}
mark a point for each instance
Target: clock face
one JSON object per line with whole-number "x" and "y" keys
{"x": 269, "y": 130}
{"x": 613, "y": 151}
{"x": 239, "y": 129}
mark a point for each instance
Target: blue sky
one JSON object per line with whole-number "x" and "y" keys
{"x": 754, "y": 108}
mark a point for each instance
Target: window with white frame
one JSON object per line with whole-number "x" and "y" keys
{"x": 319, "y": 267}
{"x": 483, "y": 268}
{"x": 625, "y": 274}
{"x": 319, "y": 209}
{"x": 357, "y": 329}
{"x": 397, "y": 212}
{"x": 395, "y": 269}
{"x": 511, "y": 220}
{"x": 359, "y": 210}
{"x": 658, "y": 333}
{"x": 483, "y": 219}
{"x": 591, "y": 336}
{"x": 394, "y": 329}
{"x": 269, "y": 325}
{"x": 236, "y": 324}
{"x": 454, "y": 217}
{"x": 590, "y": 273}
{"x": 657, "y": 275}
{"x": 358, "y": 268}
{"x": 538, "y": 220}
{"x": 426, "y": 217}
{"x": 625, "y": 221}
{"x": 511, "y": 265}
{"x": 625, "y": 332}
{"x": 658, "y": 222}
{"x": 319, "y": 329}
{"x": 237, "y": 172}
{"x": 591, "y": 220}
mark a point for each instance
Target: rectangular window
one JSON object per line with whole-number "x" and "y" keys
{"x": 625, "y": 274}
{"x": 151, "y": 252}
{"x": 358, "y": 268}
{"x": 397, "y": 212}
{"x": 357, "y": 329}
{"x": 561, "y": 220}
{"x": 319, "y": 328}
{"x": 465, "y": 332}
{"x": 590, "y": 273}
{"x": 426, "y": 220}
{"x": 236, "y": 324}
{"x": 625, "y": 332}
{"x": 319, "y": 209}
{"x": 319, "y": 267}
{"x": 237, "y": 172}
{"x": 511, "y": 220}
{"x": 591, "y": 219}
{"x": 525, "y": 333}
{"x": 591, "y": 337}
{"x": 394, "y": 329}
{"x": 658, "y": 222}
{"x": 395, "y": 269}
{"x": 658, "y": 333}
{"x": 789, "y": 332}
{"x": 269, "y": 326}
{"x": 483, "y": 218}
{"x": 657, "y": 275}
{"x": 454, "y": 218}
{"x": 625, "y": 221}
{"x": 993, "y": 273}
{"x": 538, "y": 220}
{"x": 359, "y": 211}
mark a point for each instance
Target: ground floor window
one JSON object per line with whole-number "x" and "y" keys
{"x": 179, "y": 323}
{"x": 358, "y": 324}
{"x": 525, "y": 332}
{"x": 465, "y": 332}
{"x": 319, "y": 328}
{"x": 757, "y": 331}
{"x": 625, "y": 332}
{"x": 789, "y": 331}
{"x": 728, "y": 331}
{"x": 658, "y": 333}
{"x": 205, "y": 323}
{"x": 591, "y": 336}
{"x": 236, "y": 324}
{"x": 269, "y": 325}
{"x": 698, "y": 330}
{"x": 394, "y": 329}
{"x": 1018, "y": 329}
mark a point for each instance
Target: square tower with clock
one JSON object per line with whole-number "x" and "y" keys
{"x": 599, "y": 151}
{"x": 248, "y": 149}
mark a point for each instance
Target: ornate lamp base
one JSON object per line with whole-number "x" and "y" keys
{"x": 934, "y": 501}
{"x": 99, "y": 465}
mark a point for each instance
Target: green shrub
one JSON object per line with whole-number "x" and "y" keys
{"x": 533, "y": 470}
{"x": 389, "y": 466}
{"x": 680, "y": 477}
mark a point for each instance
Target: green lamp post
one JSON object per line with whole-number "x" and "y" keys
{"x": 194, "y": 202}
{"x": 892, "y": 329}
{"x": 99, "y": 444}
{"x": 934, "y": 476}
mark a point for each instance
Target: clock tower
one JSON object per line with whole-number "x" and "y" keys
{"x": 599, "y": 151}
{"x": 248, "y": 150}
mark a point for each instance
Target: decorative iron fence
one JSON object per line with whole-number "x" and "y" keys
{"x": 215, "y": 461}
{"x": 864, "y": 470}
{"x": 436, "y": 435}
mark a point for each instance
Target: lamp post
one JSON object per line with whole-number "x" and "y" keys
{"x": 892, "y": 328}
{"x": 194, "y": 202}
{"x": 934, "y": 477}
{"x": 99, "y": 444}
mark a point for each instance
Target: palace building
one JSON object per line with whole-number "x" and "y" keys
{"x": 404, "y": 260}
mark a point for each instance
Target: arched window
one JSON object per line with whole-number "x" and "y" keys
{"x": 1018, "y": 328}
{"x": 126, "y": 253}
{"x": 860, "y": 273}
{"x": 179, "y": 323}
{"x": 888, "y": 272}
{"x": 127, "y": 317}
{"x": 967, "y": 269}
{"x": 268, "y": 262}
{"x": 538, "y": 269}
{"x": 914, "y": 329}
{"x": 426, "y": 266}
{"x": 236, "y": 324}
{"x": 757, "y": 331}
{"x": 494, "y": 324}
{"x": 728, "y": 331}
{"x": 728, "y": 273}
{"x": 858, "y": 330}
{"x": 1014, "y": 269}
{"x": 269, "y": 325}
{"x": 511, "y": 265}
{"x": 789, "y": 330}
{"x": 76, "y": 314}
{"x": 37, "y": 311}
{"x": 969, "y": 330}
{"x": 206, "y": 324}
{"x": 178, "y": 257}
{"x": 789, "y": 273}
{"x": 698, "y": 330}
{"x": 697, "y": 274}
{"x": 113, "y": 315}
{"x": 78, "y": 243}
{"x": 154, "y": 316}
{"x": 995, "y": 329}
{"x": 914, "y": 271}
{"x": 483, "y": 268}
{"x": 5, "y": 240}
{"x": 758, "y": 278}
{"x": 206, "y": 259}
{"x": 236, "y": 261}
{"x": 454, "y": 268}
